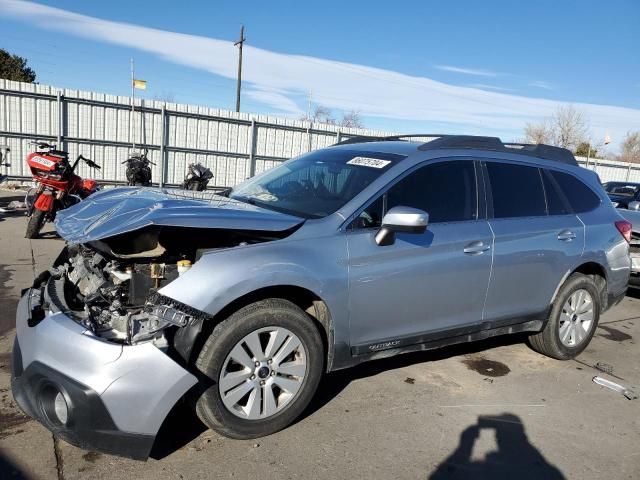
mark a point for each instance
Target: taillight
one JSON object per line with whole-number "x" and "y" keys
{"x": 624, "y": 228}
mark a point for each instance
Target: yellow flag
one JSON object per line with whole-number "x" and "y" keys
{"x": 140, "y": 84}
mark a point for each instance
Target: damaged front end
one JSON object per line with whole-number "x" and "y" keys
{"x": 111, "y": 286}
{"x": 126, "y": 244}
{"x": 117, "y": 299}
{"x": 100, "y": 355}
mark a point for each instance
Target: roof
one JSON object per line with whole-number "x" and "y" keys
{"x": 458, "y": 142}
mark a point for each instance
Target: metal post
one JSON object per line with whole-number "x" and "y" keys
{"x": 252, "y": 151}
{"x": 338, "y": 136}
{"x": 588, "y": 155}
{"x": 132, "y": 131}
{"x": 309, "y": 136}
{"x": 163, "y": 140}
{"x": 60, "y": 118}
{"x": 628, "y": 172}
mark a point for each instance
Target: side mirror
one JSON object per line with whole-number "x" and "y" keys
{"x": 401, "y": 219}
{"x": 634, "y": 206}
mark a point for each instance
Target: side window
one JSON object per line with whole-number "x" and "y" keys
{"x": 557, "y": 202}
{"x": 446, "y": 191}
{"x": 371, "y": 217}
{"x": 581, "y": 197}
{"x": 516, "y": 190}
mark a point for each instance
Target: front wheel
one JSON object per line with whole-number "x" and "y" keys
{"x": 36, "y": 221}
{"x": 573, "y": 320}
{"x": 264, "y": 363}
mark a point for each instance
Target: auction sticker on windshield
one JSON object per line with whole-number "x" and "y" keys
{"x": 369, "y": 162}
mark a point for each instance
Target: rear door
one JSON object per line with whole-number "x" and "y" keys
{"x": 537, "y": 240}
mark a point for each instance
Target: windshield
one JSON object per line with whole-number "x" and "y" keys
{"x": 316, "y": 184}
{"x": 621, "y": 188}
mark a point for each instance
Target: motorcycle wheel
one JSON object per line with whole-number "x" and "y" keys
{"x": 30, "y": 198}
{"x": 36, "y": 221}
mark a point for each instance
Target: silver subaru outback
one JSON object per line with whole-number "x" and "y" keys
{"x": 367, "y": 249}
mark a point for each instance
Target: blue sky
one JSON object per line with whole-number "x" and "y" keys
{"x": 462, "y": 66}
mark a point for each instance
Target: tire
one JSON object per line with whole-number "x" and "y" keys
{"x": 214, "y": 361}
{"x": 36, "y": 221}
{"x": 549, "y": 342}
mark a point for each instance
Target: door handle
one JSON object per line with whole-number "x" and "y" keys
{"x": 476, "y": 248}
{"x": 566, "y": 236}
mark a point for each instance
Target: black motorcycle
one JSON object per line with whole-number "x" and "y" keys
{"x": 138, "y": 169}
{"x": 197, "y": 177}
{"x": 4, "y": 153}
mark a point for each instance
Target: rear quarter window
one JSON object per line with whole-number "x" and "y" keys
{"x": 581, "y": 198}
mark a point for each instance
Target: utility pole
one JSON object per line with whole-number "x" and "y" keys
{"x": 239, "y": 44}
{"x": 132, "y": 130}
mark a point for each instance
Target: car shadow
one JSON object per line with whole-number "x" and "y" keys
{"x": 633, "y": 292}
{"x": 335, "y": 382}
{"x": 182, "y": 425}
{"x": 515, "y": 456}
{"x": 8, "y": 469}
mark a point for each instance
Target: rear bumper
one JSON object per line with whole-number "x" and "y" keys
{"x": 116, "y": 396}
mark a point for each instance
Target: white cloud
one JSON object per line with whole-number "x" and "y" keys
{"x": 484, "y": 86}
{"x": 467, "y": 71}
{"x": 541, "y": 84}
{"x": 282, "y": 81}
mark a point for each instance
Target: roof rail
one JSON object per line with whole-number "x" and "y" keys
{"x": 494, "y": 144}
{"x": 391, "y": 138}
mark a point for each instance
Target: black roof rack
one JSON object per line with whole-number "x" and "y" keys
{"x": 546, "y": 152}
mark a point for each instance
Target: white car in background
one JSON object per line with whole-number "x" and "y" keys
{"x": 633, "y": 216}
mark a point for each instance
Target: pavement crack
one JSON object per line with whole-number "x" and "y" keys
{"x": 33, "y": 259}
{"x": 59, "y": 460}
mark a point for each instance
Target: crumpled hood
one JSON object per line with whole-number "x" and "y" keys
{"x": 120, "y": 210}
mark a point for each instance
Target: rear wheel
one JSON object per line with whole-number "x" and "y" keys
{"x": 264, "y": 363}
{"x": 573, "y": 320}
{"x": 36, "y": 221}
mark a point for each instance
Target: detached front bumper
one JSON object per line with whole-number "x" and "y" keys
{"x": 92, "y": 393}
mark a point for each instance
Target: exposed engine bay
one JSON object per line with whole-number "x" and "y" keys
{"x": 111, "y": 286}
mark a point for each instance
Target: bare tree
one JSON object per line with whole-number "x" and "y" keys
{"x": 537, "y": 133}
{"x": 569, "y": 127}
{"x": 630, "y": 148}
{"x": 165, "y": 96}
{"x": 351, "y": 119}
{"x": 322, "y": 114}
{"x": 566, "y": 128}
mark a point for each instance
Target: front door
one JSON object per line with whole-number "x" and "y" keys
{"x": 423, "y": 285}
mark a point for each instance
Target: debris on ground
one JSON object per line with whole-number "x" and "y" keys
{"x": 616, "y": 387}
{"x": 410, "y": 380}
{"x": 604, "y": 367}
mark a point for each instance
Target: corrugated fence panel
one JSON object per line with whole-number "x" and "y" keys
{"x": 99, "y": 126}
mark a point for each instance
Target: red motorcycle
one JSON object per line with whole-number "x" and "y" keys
{"x": 57, "y": 186}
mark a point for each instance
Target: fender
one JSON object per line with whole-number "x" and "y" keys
{"x": 220, "y": 277}
{"x": 44, "y": 202}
